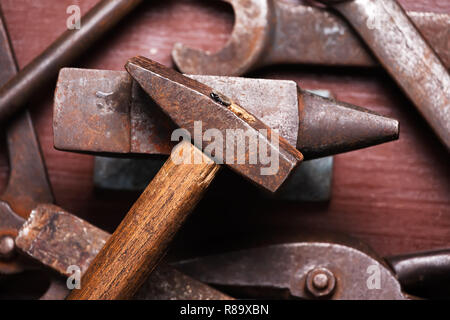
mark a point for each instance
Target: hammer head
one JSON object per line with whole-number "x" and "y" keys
{"x": 241, "y": 141}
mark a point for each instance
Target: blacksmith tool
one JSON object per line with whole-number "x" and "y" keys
{"x": 337, "y": 268}
{"x": 70, "y": 45}
{"x": 142, "y": 238}
{"x": 270, "y": 32}
{"x": 100, "y": 111}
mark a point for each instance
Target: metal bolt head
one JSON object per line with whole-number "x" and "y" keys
{"x": 320, "y": 282}
{"x": 7, "y": 247}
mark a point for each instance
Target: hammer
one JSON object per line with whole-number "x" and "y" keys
{"x": 143, "y": 236}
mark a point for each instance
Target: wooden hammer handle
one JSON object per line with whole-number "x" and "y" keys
{"x": 142, "y": 238}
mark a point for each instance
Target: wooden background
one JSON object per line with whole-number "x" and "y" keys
{"x": 394, "y": 196}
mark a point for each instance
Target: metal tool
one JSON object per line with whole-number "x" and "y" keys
{"x": 270, "y": 32}
{"x": 322, "y": 269}
{"x": 99, "y": 111}
{"x": 310, "y": 182}
{"x": 142, "y": 238}
{"x": 409, "y": 59}
{"x": 16, "y": 92}
{"x": 285, "y": 267}
{"x": 28, "y": 182}
{"x": 59, "y": 240}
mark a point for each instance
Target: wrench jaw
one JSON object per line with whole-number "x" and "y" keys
{"x": 250, "y": 37}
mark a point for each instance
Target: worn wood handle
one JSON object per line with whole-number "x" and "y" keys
{"x": 142, "y": 238}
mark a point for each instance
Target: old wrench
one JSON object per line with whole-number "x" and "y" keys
{"x": 409, "y": 59}
{"x": 278, "y": 31}
{"x": 323, "y": 267}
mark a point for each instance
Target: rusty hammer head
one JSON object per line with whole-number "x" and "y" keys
{"x": 205, "y": 114}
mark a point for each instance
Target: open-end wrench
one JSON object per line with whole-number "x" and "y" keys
{"x": 398, "y": 45}
{"x": 323, "y": 267}
{"x": 279, "y": 31}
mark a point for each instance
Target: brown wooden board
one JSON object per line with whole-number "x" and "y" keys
{"x": 394, "y": 196}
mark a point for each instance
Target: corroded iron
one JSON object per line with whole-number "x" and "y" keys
{"x": 283, "y": 271}
{"x": 280, "y": 31}
{"x": 129, "y": 122}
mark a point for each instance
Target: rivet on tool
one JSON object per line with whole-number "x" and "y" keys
{"x": 7, "y": 247}
{"x": 320, "y": 282}
{"x": 220, "y": 99}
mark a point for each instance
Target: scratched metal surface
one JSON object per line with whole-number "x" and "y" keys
{"x": 394, "y": 196}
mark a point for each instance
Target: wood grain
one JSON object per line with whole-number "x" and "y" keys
{"x": 393, "y": 196}
{"x": 142, "y": 238}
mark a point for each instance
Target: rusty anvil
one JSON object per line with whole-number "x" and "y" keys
{"x": 134, "y": 125}
{"x": 150, "y": 233}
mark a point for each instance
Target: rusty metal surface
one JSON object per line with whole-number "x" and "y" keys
{"x": 166, "y": 283}
{"x": 61, "y": 53}
{"x": 398, "y": 45}
{"x": 50, "y": 235}
{"x": 58, "y": 240}
{"x": 329, "y": 127}
{"x": 280, "y": 31}
{"x": 104, "y": 110}
{"x": 186, "y": 101}
{"x": 284, "y": 271}
{"x": 317, "y": 134}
